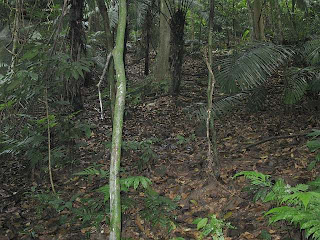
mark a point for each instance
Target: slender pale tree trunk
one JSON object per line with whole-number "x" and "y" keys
{"x": 110, "y": 45}
{"x": 16, "y": 29}
{"x": 162, "y": 68}
{"x": 255, "y": 9}
{"x": 115, "y": 201}
{"x": 275, "y": 12}
{"x": 212, "y": 158}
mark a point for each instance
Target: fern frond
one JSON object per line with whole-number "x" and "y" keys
{"x": 256, "y": 178}
{"x": 93, "y": 171}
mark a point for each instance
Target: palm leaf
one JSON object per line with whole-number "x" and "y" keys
{"x": 249, "y": 68}
{"x": 228, "y": 104}
{"x": 312, "y": 51}
{"x": 224, "y": 106}
{"x": 298, "y": 82}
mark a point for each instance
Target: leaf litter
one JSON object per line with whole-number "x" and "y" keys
{"x": 177, "y": 169}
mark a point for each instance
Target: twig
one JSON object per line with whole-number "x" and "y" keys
{"x": 99, "y": 83}
{"x": 49, "y": 142}
{"x": 273, "y": 138}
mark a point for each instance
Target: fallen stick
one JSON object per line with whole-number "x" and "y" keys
{"x": 273, "y": 138}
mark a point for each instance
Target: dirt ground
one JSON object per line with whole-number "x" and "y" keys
{"x": 177, "y": 171}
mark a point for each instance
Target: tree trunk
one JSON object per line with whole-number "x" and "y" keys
{"x": 213, "y": 158}
{"x": 147, "y": 36}
{"x": 162, "y": 68}
{"x": 110, "y": 45}
{"x": 276, "y": 21}
{"x": 115, "y": 201}
{"x": 177, "y": 33}
{"x": 16, "y": 29}
{"x": 257, "y": 20}
{"x": 77, "y": 46}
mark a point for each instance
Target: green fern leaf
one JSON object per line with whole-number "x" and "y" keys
{"x": 88, "y": 172}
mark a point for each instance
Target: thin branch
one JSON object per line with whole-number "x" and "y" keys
{"x": 210, "y": 155}
{"x": 273, "y": 138}
{"x": 99, "y": 83}
{"x": 49, "y": 142}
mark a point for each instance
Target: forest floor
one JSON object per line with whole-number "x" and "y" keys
{"x": 168, "y": 127}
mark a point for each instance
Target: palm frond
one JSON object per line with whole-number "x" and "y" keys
{"x": 113, "y": 10}
{"x": 224, "y": 106}
{"x": 297, "y": 84}
{"x": 250, "y": 67}
{"x": 228, "y": 104}
{"x": 312, "y": 51}
{"x": 315, "y": 83}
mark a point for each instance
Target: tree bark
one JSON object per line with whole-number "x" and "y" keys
{"x": 257, "y": 17}
{"x": 212, "y": 158}
{"x": 162, "y": 68}
{"x": 177, "y": 23}
{"x": 110, "y": 45}
{"x": 77, "y": 47}
{"x": 115, "y": 201}
{"x": 147, "y": 36}
{"x": 277, "y": 23}
{"x": 16, "y": 29}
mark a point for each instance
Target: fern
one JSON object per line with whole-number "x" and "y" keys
{"x": 256, "y": 178}
{"x": 125, "y": 184}
{"x": 93, "y": 171}
{"x": 299, "y": 205}
{"x": 158, "y": 209}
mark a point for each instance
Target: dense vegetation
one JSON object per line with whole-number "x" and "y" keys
{"x": 192, "y": 96}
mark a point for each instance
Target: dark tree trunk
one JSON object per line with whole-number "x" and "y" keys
{"x": 126, "y": 37}
{"x": 147, "y": 42}
{"x": 177, "y": 33}
{"x": 77, "y": 46}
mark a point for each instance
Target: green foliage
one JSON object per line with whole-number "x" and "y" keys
{"x": 185, "y": 140}
{"x": 298, "y": 204}
{"x": 314, "y": 146}
{"x": 93, "y": 171}
{"x": 249, "y": 67}
{"x": 144, "y": 148}
{"x": 91, "y": 211}
{"x": 32, "y": 145}
{"x": 260, "y": 183}
{"x": 125, "y": 184}
{"x": 158, "y": 210}
{"x": 312, "y": 52}
{"x": 211, "y": 226}
{"x": 300, "y": 81}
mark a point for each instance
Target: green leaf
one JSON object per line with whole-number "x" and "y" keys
{"x": 312, "y": 165}
{"x": 208, "y": 230}
{"x": 313, "y": 145}
{"x": 75, "y": 74}
{"x": 30, "y": 54}
{"x": 136, "y": 183}
{"x": 314, "y": 133}
{"x": 203, "y": 222}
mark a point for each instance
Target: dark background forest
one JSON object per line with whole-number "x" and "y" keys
{"x": 159, "y": 119}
